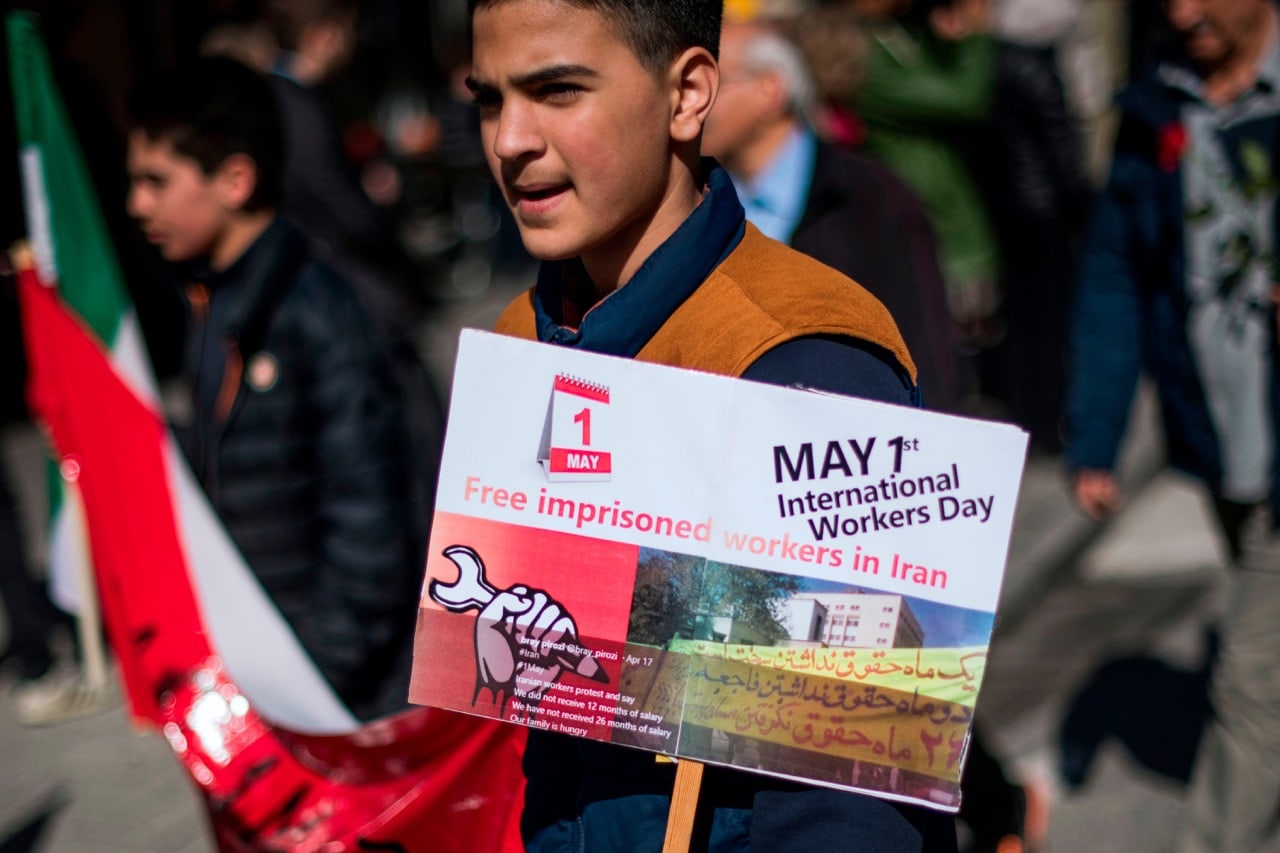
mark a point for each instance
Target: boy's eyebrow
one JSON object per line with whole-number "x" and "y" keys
{"x": 540, "y": 75}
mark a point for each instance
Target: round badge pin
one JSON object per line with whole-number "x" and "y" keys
{"x": 263, "y": 372}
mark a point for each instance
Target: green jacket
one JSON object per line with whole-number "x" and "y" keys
{"x": 918, "y": 96}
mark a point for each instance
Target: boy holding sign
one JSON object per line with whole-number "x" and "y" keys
{"x": 591, "y": 116}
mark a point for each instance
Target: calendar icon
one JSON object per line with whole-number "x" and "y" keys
{"x": 576, "y": 431}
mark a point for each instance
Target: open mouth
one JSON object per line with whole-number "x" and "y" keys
{"x": 539, "y": 195}
{"x": 538, "y": 200}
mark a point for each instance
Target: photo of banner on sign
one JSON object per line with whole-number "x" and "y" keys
{"x": 790, "y": 583}
{"x": 576, "y": 431}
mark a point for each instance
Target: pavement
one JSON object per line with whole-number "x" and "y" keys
{"x": 1138, "y": 592}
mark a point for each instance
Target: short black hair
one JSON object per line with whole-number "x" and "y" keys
{"x": 656, "y": 30}
{"x": 210, "y": 108}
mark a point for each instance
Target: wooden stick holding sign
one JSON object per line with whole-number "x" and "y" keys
{"x": 684, "y": 806}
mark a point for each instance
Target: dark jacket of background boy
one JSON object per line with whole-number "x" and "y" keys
{"x": 299, "y": 439}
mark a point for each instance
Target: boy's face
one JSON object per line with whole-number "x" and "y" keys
{"x": 577, "y": 132}
{"x": 179, "y": 208}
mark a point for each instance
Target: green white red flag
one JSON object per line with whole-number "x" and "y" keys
{"x": 76, "y": 244}
{"x": 202, "y": 652}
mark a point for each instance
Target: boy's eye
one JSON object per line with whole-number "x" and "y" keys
{"x": 485, "y": 99}
{"x": 559, "y": 93}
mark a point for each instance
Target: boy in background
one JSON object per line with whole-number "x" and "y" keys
{"x": 297, "y": 430}
{"x": 591, "y": 115}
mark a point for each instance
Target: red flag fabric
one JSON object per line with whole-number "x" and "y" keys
{"x": 424, "y": 780}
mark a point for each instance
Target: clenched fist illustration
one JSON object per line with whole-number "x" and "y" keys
{"x": 525, "y": 640}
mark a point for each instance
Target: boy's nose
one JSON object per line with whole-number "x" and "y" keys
{"x": 517, "y": 134}
{"x": 136, "y": 203}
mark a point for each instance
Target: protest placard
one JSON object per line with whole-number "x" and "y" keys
{"x": 793, "y": 583}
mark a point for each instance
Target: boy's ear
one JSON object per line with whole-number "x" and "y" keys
{"x": 695, "y": 78}
{"x": 235, "y": 180}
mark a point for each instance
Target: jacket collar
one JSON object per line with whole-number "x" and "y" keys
{"x": 250, "y": 284}
{"x": 1152, "y": 101}
{"x": 624, "y": 321}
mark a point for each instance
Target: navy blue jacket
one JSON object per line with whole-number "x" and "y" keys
{"x": 1131, "y": 304}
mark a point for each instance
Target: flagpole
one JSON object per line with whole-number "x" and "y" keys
{"x": 93, "y": 654}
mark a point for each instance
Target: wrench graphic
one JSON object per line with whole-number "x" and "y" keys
{"x": 472, "y": 590}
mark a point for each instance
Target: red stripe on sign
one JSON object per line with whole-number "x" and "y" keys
{"x": 95, "y": 420}
{"x": 580, "y": 461}
{"x": 581, "y": 388}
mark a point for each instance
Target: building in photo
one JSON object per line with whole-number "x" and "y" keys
{"x": 865, "y": 620}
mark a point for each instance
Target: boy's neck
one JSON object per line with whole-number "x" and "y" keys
{"x": 239, "y": 235}
{"x": 610, "y": 271}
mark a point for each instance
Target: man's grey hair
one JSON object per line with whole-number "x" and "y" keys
{"x": 769, "y": 52}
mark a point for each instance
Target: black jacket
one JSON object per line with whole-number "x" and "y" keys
{"x": 299, "y": 439}
{"x": 863, "y": 221}
{"x": 1029, "y": 157}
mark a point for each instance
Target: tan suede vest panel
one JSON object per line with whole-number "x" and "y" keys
{"x": 764, "y": 294}
{"x": 518, "y": 320}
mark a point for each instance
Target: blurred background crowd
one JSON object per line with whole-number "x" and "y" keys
{"x": 998, "y": 124}
{"x": 978, "y": 133}
{"x": 997, "y": 120}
